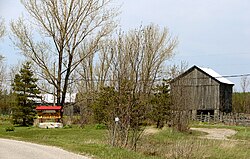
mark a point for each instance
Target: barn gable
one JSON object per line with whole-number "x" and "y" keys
{"x": 209, "y": 72}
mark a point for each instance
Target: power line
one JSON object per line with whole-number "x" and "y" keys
{"x": 232, "y": 76}
{"x": 113, "y": 80}
{"x": 213, "y": 54}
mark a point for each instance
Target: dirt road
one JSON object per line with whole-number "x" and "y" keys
{"x": 11, "y": 149}
{"x": 216, "y": 133}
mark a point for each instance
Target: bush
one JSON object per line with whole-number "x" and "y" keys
{"x": 100, "y": 126}
{"x": 67, "y": 126}
{"x": 10, "y": 128}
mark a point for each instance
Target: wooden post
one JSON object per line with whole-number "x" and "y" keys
{"x": 194, "y": 114}
{"x": 201, "y": 117}
{"x": 208, "y": 118}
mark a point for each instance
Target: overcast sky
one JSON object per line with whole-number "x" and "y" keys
{"x": 211, "y": 33}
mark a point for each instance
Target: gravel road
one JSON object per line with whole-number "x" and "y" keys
{"x": 216, "y": 133}
{"x": 11, "y": 149}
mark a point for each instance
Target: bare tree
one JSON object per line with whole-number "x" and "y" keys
{"x": 93, "y": 75}
{"x": 2, "y": 27}
{"x": 2, "y": 75}
{"x": 2, "y": 32}
{"x": 129, "y": 66}
{"x": 181, "y": 97}
{"x": 2, "y": 66}
{"x": 175, "y": 70}
{"x": 181, "y": 100}
{"x": 241, "y": 100}
{"x": 244, "y": 84}
{"x": 65, "y": 28}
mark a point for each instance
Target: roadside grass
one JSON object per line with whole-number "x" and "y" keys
{"x": 164, "y": 144}
{"x": 86, "y": 141}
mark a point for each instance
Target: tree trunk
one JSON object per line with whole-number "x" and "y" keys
{"x": 24, "y": 122}
{"x": 59, "y": 79}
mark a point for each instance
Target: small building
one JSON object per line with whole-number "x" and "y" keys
{"x": 50, "y": 99}
{"x": 202, "y": 91}
{"x": 49, "y": 116}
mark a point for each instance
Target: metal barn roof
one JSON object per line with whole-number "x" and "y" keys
{"x": 216, "y": 75}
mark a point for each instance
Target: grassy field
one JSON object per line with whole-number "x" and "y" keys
{"x": 164, "y": 144}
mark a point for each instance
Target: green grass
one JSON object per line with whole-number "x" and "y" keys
{"x": 164, "y": 144}
{"x": 87, "y": 140}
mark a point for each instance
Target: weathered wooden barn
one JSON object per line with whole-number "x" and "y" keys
{"x": 202, "y": 90}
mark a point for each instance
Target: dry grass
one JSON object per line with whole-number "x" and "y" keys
{"x": 151, "y": 131}
{"x": 173, "y": 145}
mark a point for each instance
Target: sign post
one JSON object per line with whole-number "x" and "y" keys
{"x": 114, "y": 135}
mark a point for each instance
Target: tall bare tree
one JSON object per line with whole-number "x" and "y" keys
{"x": 64, "y": 29}
{"x": 129, "y": 66}
{"x": 2, "y": 27}
{"x": 241, "y": 99}
{"x": 2, "y": 66}
{"x": 244, "y": 83}
{"x": 2, "y": 32}
{"x": 4, "y": 107}
{"x": 175, "y": 70}
{"x": 181, "y": 99}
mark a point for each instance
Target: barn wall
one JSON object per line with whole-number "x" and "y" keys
{"x": 198, "y": 91}
{"x": 226, "y": 98}
{"x": 207, "y": 92}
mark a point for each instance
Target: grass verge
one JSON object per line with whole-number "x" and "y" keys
{"x": 165, "y": 143}
{"x": 86, "y": 141}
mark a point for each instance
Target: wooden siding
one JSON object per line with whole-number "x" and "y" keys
{"x": 225, "y": 98}
{"x": 198, "y": 91}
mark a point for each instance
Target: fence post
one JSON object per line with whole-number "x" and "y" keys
{"x": 194, "y": 114}
{"x": 216, "y": 115}
{"x": 201, "y": 117}
{"x": 208, "y": 117}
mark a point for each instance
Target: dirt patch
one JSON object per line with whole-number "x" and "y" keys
{"x": 228, "y": 145}
{"x": 212, "y": 133}
{"x": 216, "y": 133}
{"x": 151, "y": 131}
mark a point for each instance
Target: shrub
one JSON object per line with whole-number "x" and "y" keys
{"x": 100, "y": 126}
{"x": 67, "y": 126}
{"x": 10, "y": 128}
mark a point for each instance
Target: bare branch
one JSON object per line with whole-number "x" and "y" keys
{"x": 2, "y": 28}
{"x": 68, "y": 24}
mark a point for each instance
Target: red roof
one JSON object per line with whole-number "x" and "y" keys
{"x": 48, "y": 107}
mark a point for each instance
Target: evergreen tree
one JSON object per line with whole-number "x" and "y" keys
{"x": 25, "y": 88}
{"x": 105, "y": 105}
{"x": 161, "y": 104}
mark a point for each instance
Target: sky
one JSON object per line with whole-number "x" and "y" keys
{"x": 211, "y": 33}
